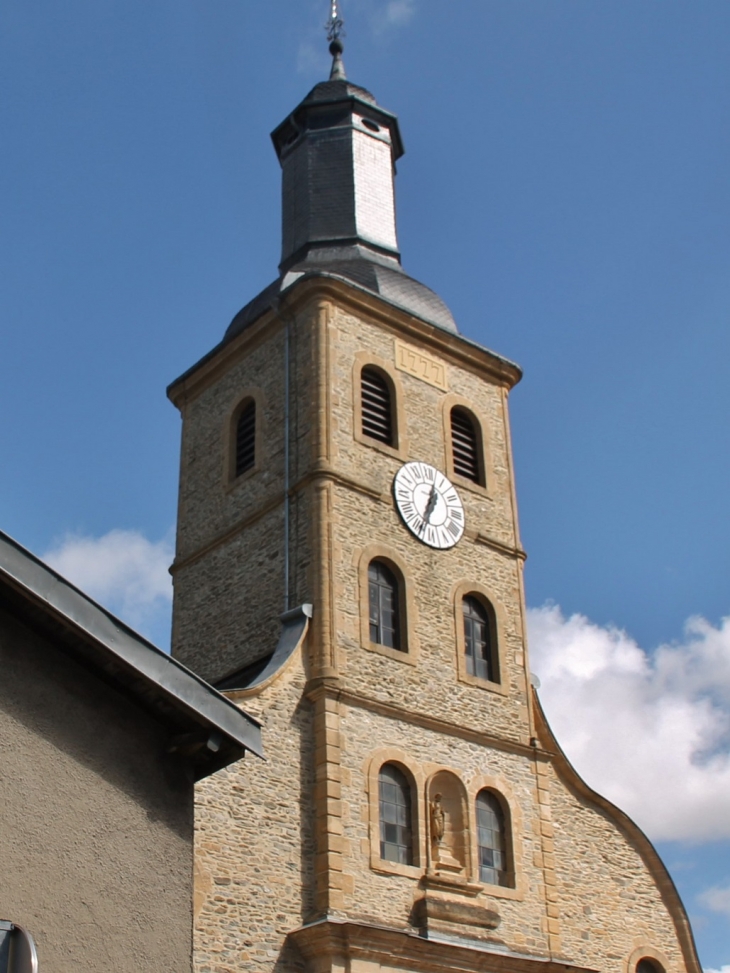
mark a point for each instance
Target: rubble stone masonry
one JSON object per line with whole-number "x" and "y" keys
{"x": 290, "y": 848}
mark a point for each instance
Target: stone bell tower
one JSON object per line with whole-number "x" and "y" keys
{"x": 349, "y": 568}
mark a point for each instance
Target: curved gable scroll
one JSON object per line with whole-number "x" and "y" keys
{"x": 253, "y": 677}
{"x": 655, "y": 866}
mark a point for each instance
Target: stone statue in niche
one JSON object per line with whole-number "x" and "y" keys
{"x": 442, "y": 854}
{"x": 438, "y": 819}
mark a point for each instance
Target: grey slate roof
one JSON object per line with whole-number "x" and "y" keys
{"x": 365, "y": 270}
{"x": 206, "y": 728}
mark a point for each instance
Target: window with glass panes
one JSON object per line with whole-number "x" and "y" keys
{"x": 491, "y": 840}
{"x": 383, "y": 596}
{"x": 396, "y": 838}
{"x": 478, "y": 647}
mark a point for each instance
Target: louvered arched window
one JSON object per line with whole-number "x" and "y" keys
{"x": 377, "y": 406}
{"x": 491, "y": 839}
{"x": 396, "y": 833}
{"x": 466, "y": 446}
{"x": 246, "y": 438}
{"x": 480, "y": 640}
{"x": 384, "y": 604}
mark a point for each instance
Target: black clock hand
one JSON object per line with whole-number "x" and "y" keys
{"x": 433, "y": 497}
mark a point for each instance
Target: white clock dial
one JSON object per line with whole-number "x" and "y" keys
{"x": 429, "y": 505}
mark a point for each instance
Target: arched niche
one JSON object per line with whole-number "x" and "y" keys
{"x": 448, "y": 839}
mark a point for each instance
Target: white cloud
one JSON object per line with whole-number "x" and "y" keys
{"x": 723, "y": 969}
{"x": 123, "y": 571}
{"x": 384, "y": 15}
{"x": 717, "y": 899}
{"x": 399, "y": 12}
{"x": 649, "y": 731}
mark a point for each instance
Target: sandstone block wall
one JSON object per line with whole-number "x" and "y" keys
{"x": 286, "y": 843}
{"x": 583, "y": 892}
{"x": 254, "y": 842}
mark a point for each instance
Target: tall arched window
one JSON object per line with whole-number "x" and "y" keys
{"x": 384, "y": 603}
{"x": 246, "y": 438}
{"x": 465, "y": 446}
{"x": 376, "y": 405}
{"x": 480, "y": 640}
{"x": 491, "y": 839}
{"x": 396, "y": 834}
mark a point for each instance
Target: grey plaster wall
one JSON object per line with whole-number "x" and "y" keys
{"x": 95, "y": 821}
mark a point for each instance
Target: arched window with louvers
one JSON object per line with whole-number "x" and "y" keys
{"x": 467, "y": 455}
{"x": 377, "y": 406}
{"x": 244, "y": 438}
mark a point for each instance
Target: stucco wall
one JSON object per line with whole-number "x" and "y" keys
{"x": 95, "y": 822}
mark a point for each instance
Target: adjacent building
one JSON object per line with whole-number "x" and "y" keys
{"x": 102, "y": 737}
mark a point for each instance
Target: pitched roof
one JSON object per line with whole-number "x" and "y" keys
{"x": 205, "y": 727}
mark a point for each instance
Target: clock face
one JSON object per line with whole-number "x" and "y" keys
{"x": 429, "y": 505}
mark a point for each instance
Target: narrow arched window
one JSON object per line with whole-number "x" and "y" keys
{"x": 384, "y": 599}
{"x": 491, "y": 839}
{"x": 465, "y": 445}
{"x": 480, "y": 640}
{"x": 648, "y": 966}
{"x": 377, "y": 407}
{"x": 396, "y": 835}
{"x": 246, "y": 438}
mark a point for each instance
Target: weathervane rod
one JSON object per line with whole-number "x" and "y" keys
{"x": 335, "y": 28}
{"x": 335, "y": 25}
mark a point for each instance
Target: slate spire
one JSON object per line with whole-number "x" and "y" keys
{"x": 337, "y": 150}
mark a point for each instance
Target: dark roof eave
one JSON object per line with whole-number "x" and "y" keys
{"x": 113, "y": 651}
{"x": 372, "y": 108}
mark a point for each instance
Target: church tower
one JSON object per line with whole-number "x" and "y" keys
{"x": 349, "y": 568}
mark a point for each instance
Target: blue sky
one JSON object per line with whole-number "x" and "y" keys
{"x": 565, "y": 189}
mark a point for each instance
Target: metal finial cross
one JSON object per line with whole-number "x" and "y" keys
{"x": 335, "y": 26}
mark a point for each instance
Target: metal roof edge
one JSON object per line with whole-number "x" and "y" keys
{"x": 188, "y": 691}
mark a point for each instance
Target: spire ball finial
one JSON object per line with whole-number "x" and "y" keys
{"x": 335, "y": 28}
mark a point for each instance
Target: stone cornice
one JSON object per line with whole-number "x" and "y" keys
{"x": 337, "y": 690}
{"x": 454, "y": 347}
{"x": 405, "y": 948}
